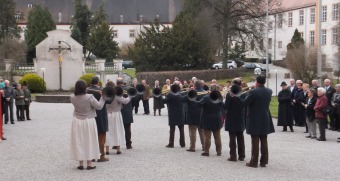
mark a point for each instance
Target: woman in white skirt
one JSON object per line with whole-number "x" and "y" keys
{"x": 84, "y": 137}
{"x": 116, "y": 134}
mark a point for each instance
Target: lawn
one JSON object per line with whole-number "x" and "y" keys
{"x": 274, "y": 107}
{"x": 131, "y": 72}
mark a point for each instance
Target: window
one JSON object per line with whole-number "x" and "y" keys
{"x": 290, "y": 19}
{"x": 270, "y": 43}
{"x": 312, "y": 37}
{"x": 280, "y": 20}
{"x": 17, "y": 17}
{"x": 115, "y": 33}
{"x": 336, "y": 11}
{"x": 29, "y": 5}
{"x": 252, "y": 45}
{"x": 132, "y": 33}
{"x": 312, "y": 15}
{"x": 324, "y": 13}
{"x": 280, "y": 44}
{"x": 324, "y": 60}
{"x": 270, "y": 25}
{"x": 335, "y": 36}
{"x": 323, "y": 37}
{"x": 301, "y": 34}
{"x": 301, "y": 17}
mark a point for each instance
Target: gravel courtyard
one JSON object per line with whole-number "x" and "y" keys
{"x": 39, "y": 150}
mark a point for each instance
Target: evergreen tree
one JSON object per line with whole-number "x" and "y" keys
{"x": 82, "y": 19}
{"x": 296, "y": 40}
{"x": 101, "y": 41}
{"x": 8, "y": 25}
{"x": 76, "y": 34}
{"x": 39, "y": 22}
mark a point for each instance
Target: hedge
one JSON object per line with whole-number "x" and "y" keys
{"x": 206, "y": 75}
{"x": 34, "y": 83}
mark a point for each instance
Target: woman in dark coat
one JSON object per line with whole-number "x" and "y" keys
{"x": 235, "y": 123}
{"x": 299, "y": 113}
{"x": 285, "y": 117}
{"x": 310, "y": 113}
{"x": 157, "y": 101}
{"x": 211, "y": 122}
{"x": 176, "y": 116}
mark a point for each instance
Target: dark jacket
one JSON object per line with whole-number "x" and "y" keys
{"x": 127, "y": 110}
{"x": 101, "y": 119}
{"x": 19, "y": 97}
{"x": 158, "y": 102}
{"x": 336, "y": 103}
{"x": 285, "y": 114}
{"x": 234, "y": 120}
{"x": 8, "y": 93}
{"x": 299, "y": 109}
{"x": 329, "y": 94}
{"x": 194, "y": 110}
{"x": 175, "y": 109}
{"x": 28, "y": 98}
{"x": 292, "y": 91}
{"x": 320, "y": 104}
{"x": 259, "y": 120}
{"x": 310, "y": 113}
{"x": 211, "y": 118}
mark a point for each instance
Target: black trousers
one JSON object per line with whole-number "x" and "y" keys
{"x": 146, "y": 106}
{"x": 8, "y": 110}
{"x": 27, "y": 110}
{"x": 332, "y": 122}
{"x": 135, "y": 104}
{"x": 127, "y": 128}
{"x": 20, "y": 112}
{"x": 255, "y": 144}
{"x": 322, "y": 128}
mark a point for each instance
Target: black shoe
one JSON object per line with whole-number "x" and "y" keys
{"x": 205, "y": 154}
{"x": 80, "y": 167}
{"x": 313, "y": 137}
{"x": 12, "y": 122}
{"x": 28, "y": 119}
{"x": 91, "y": 168}
{"x": 319, "y": 139}
{"x": 3, "y": 138}
{"x": 6, "y": 122}
{"x": 128, "y": 147}
{"x": 190, "y": 150}
{"x": 305, "y": 132}
{"x": 308, "y": 136}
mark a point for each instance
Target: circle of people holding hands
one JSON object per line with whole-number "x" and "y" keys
{"x": 103, "y": 121}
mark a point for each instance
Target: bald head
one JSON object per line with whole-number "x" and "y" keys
{"x": 292, "y": 82}
{"x": 327, "y": 82}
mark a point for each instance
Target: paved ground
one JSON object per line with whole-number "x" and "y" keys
{"x": 39, "y": 150}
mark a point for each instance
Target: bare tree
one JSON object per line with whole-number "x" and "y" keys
{"x": 239, "y": 20}
{"x": 13, "y": 48}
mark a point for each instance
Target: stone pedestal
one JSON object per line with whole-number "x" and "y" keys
{"x": 9, "y": 63}
{"x": 118, "y": 64}
{"x": 100, "y": 63}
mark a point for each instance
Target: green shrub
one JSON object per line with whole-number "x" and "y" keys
{"x": 87, "y": 78}
{"x": 34, "y": 83}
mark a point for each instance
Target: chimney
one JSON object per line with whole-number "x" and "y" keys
{"x": 59, "y": 17}
{"x": 121, "y": 19}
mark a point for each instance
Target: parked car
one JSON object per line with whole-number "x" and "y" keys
{"x": 264, "y": 60}
{"x": 127, "y": 64}
{"x": 252, "y": 66}
{"x": 231, "y": 65}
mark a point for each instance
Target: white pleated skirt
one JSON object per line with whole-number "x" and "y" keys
{"x": 116, "y": 133}
{"x": 84, "y": 139}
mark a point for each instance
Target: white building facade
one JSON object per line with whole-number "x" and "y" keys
{"x": 304, "y": 18}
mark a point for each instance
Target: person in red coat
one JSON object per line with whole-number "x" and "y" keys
{"x": 1, "y": 132}
{"x": 321, "y": 117}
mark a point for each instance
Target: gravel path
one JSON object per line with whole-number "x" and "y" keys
{"x": 39, "y": 150}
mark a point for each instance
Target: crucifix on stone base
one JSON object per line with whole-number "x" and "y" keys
{"x": 60, "y": 52}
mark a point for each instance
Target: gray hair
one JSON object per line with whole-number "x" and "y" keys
{"x": 322, "y": 90}
{"x": 6, "y": 81}
{"x": 337, "y": 86}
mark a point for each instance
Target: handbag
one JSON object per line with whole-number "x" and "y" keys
{"x": 328, "y": 110}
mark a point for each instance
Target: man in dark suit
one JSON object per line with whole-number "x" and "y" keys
{"x": 101, "y": 118}
{"x": 127, "y": 115}
{"x": 259, "y": 122}
{"x": 145, "y": 98}
{"x": 8, "y": 99}
{"x": 329, "y": 94}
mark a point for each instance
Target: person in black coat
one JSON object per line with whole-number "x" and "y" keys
{"x": 157, "y": 101}
{"x": 211, "y": 122}
{"x": 126, "y": 115}
{"x": 299, "y": 110}
{"x": 176, "y": 114}
{"x": 194, "y": 117}
{"x": 101, "y": 118}
{"x": 235, "y": 123}
{"x": 285, "y": 114}
{"x": 259, "y": 121}
{"x": 329, "y": 94}
{"x": 135, "y": 101}
{"x": 310, "y": 113}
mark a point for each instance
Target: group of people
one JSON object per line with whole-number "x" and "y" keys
{"x": 308, "y": 106}
{"x": 16, "y": 94}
